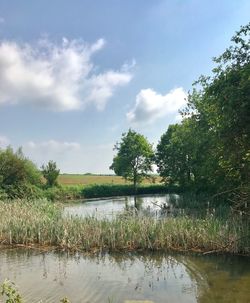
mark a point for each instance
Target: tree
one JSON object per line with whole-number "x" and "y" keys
{"x": 134, "y": 157}
{"x": 185, "y": 155}
{"x": 50, "y": 173}
{"x": 19, "y": 176}
{"x": 210, "y": 148}
{"x": 15, "y": 168}
{"x": 224, "y": 105}
{"x": 172, "y": 157}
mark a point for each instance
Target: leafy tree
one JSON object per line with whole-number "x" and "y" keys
{"x": 223, "y": 103}
{"x": 18, "y": 175}
{"x": 211, "y": 146}
{"x": 15, "y": 168}
{"x": 50, "y": 173}
{"x": 134, "y": 157}
{"x": 185, "y": 155}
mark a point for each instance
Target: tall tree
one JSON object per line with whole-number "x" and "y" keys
{"x": 224, "y": 105}
{"x": 50, "y": 173}
{"x": 134, "y": 157}
{"x": 211, "y": 146}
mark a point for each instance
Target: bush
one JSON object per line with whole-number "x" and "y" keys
{"x": 109, "y": 190}
{"x": 19, "y": 177}
{"x": 60, "y": 193}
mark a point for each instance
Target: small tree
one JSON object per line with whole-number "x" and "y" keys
{"x": 134, "y": 157}
{"x": 15, "y": 168}
{"x": 50, "y": 173}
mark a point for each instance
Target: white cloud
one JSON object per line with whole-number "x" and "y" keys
{"x": 4, "y": 141}
{"x": 103, "y": 85}
{"x": 57, "y": 77}
{"x": 2, "y": 20}
{"x": 151, "y": 106}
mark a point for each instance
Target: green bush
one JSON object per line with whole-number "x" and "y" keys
{"x": 109, "y": 190}
{"x": 19, "y": 177}
{"x": 62, "y": 193}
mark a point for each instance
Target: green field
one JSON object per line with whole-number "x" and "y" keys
{"x": 74, "y": 179}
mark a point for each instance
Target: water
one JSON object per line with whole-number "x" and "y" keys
{"x": 119, "y": 278}
{"x": 109, "y": 208}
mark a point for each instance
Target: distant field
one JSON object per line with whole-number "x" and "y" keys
{"x": 71, "y": 179}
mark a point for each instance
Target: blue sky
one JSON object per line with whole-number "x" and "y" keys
{"x": 76, "y": 74}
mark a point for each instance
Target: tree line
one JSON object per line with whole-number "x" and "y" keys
{"x": 210, "y": 148}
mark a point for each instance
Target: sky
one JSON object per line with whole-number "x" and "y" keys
{"x": 75, "y": 75}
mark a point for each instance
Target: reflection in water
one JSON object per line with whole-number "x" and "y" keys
{"x": 152, "y": 205}
{"x": 155, "y": 277}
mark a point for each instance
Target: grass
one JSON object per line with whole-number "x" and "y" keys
{"x": 88, "y": 179}
{"x": 41, "y": 223}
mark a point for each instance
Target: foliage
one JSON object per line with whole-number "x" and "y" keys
{"x": 211, "y": 147}
{"x": 18, "y": 175}
{"x": 50, "y": 173}
{"x": 134, "y": 157}
{"x": 9, "y": 291}
{"x": 11, "y": 294}
{"x": 109, "y": 190}
{"x": 43, "y": 223}
{"x": 63, "y": 193}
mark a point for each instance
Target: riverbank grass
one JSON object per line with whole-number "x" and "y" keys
{"x": 42, "y": 223}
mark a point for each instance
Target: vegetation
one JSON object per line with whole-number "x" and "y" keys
{"x": 50, "y": 173}
{"x": 10, "y": 293}
{"x": 210, "y": 149}
{"x": 134, "y": 157}
{"x": 109, "y": 190}
{"x": 86, "y": 180}
{"x": 19, "y": 177}
{"x": 43, "y": 223}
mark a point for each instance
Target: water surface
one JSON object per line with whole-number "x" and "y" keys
{"x": 117, "y": 278}
{"x": 111, "y": 207}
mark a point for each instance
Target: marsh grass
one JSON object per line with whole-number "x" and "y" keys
{"x": 41, "y": 223}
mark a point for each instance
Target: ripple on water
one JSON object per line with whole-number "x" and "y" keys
{"x": 117, "y": 278}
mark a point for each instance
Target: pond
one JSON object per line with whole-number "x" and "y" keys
{"x": 109, "y": 208}
{"x": 122, "y": 278}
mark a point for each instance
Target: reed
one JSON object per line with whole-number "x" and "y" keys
{"x": 41, "y": 223}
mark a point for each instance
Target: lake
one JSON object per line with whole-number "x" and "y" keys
{"x": 111, "y": 207}
{"x": 126, "y": 277}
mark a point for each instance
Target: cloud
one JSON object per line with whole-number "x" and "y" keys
{"x": 53, "y": 145}
{"x": 151, "y": 106}
{"x": 4, "y": 141}
{"x": 71, "y": 157}
{"x": 2, "y": 20}
{"x": 57, "y": 77}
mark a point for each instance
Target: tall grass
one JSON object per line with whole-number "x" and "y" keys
{"x": 42, "y": 223}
